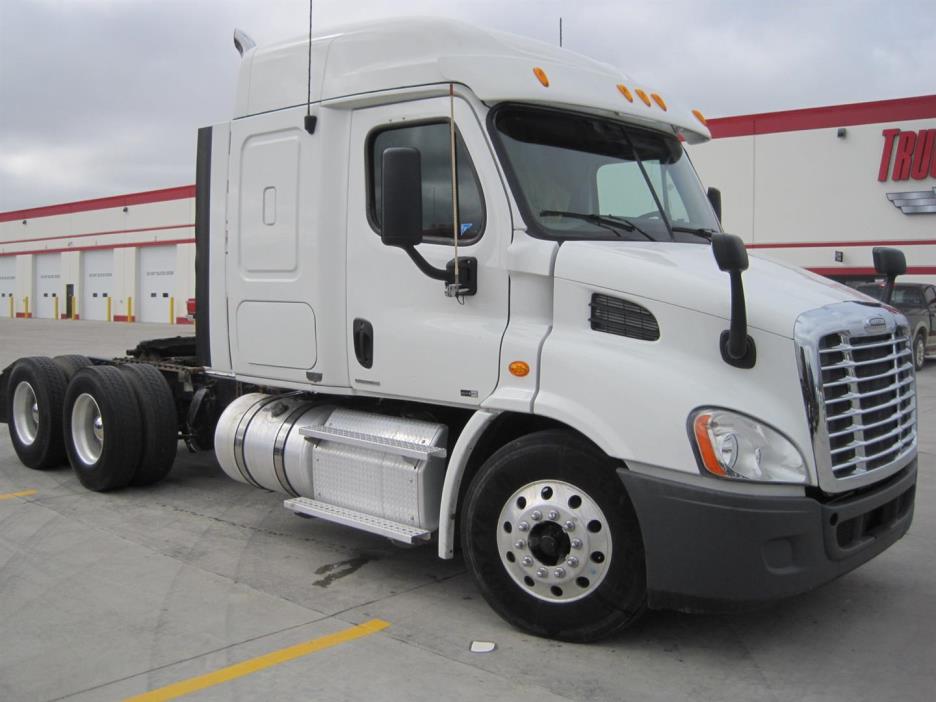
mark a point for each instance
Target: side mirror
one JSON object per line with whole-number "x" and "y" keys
{"x": 714, "y": 197}
{"x": 737, "y": 348}
{"x": 730, "y": 252}
{"x": 401, "y": 197}
{"x": 890, "y": 263}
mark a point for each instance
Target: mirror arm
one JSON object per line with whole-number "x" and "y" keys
{"x": 736, "y": 344}
{"x": 468, "y": 273}
{"x": 424, "y": 265}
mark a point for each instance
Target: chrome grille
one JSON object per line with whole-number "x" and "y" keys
{"x": 868, "y": 399}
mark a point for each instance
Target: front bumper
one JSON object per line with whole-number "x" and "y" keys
{"x": 714, "y": 551}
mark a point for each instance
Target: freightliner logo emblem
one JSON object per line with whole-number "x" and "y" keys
{"x": 916, "y": 202}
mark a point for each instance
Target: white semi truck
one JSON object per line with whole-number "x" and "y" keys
{"x": 557, "y": 367}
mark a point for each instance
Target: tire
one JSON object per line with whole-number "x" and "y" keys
{"x": 160, "y": 426}
{"x": 104, "y": 456}
{"x": 601, "y": 588}
{"x": 35, "y": 395}
{"x": 71, "y": 364}
{"x": 919, "y": 350}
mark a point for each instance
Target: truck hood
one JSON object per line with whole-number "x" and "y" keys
{"x": 686, "y": 275}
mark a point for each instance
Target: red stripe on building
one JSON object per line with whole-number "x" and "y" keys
{"x": 102, "y": 203}
{"x": 104, "y": 233}
{"x": 880, "y": 111}
{"x": 138, "y": 244}
{"x": 843, "y": 244}
{"x": 911, "y": 270}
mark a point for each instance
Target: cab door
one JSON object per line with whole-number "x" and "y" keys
{"x": 406, "y": 338}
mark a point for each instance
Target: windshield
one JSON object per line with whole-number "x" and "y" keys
{"x": 578, "y": 176}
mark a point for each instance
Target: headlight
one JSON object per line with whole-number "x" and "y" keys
{"x": 731, "y": 445}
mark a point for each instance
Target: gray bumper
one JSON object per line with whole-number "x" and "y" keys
{"x": 713, "y": 551}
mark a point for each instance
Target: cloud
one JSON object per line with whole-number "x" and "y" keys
{"x": 99, "y": 97}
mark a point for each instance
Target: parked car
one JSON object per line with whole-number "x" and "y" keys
{"x": 918, "y": 302}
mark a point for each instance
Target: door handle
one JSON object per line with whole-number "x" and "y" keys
{"x": 362, "y": 333}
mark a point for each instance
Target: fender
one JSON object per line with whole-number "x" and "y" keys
{"x": 454, "y": 473}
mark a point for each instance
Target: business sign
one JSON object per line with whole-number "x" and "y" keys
{"x": 910, "y": 155}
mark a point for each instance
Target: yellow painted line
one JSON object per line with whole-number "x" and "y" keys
{"x": 239, "y": 670}
{"x": 21, "y": 493}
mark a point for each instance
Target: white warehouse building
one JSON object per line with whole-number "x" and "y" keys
{"x": 125, "y": 258}
{"x": 817, "y": 187}
{"x": 821, "y": 187}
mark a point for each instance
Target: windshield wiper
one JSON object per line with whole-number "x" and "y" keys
{"x": 615, "y": 224}
{"x": 704, "y": 232}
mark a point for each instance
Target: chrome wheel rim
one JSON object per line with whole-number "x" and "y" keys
{"x": 554, "y": 541}
{"x": 25, "y": 413}
{"x": 87, "y": 429}
{"x": 920, "y": 352}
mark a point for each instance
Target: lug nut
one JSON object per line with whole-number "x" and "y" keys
{"x": 553, "y": 515}
{"x": 542, "y": 573}
{"x": 570, "y": 525}
{"x": 523, "y": 526}
{"x": 572, "y": 562}
{"x": 526, "y": 561}
{"x": 576, "y": 543}
{"x": 519, "y": 543}
{"x": 536, "y": 516}
{"x": 559, "y": 572}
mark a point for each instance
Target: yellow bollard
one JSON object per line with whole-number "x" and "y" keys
{"x": 26, "y": 307}
{"x": 55, "y": 314}
{"x": 108, "y": 308}
{"x": 12, "y": 308}
{"x": 171, "y": 310}
{"x": 129, "y": 309}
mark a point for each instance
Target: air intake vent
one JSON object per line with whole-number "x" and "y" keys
{"x": 615, "y": 316}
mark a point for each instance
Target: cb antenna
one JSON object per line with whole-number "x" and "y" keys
{"x": 455, "y": 287}
{"x": 309, "y": 118}
{"x": 560, "y": 32}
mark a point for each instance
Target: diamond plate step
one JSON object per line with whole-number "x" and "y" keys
{"x": 358, "y": 520}
{"x": 374, "y": 443}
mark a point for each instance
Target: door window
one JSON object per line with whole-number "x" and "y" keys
{"x": 434, "y": 144}
{"x": 930, "y": 296}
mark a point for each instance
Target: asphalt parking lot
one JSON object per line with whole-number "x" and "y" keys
{"x": 106, "y": 596}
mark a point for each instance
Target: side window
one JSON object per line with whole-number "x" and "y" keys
{"x": 434, "y": 145}
{"x": 930, "y": 296}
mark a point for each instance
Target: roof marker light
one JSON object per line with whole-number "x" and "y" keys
{"x": 643, "y": 96}
{"x": 541, "y": 76}
{"x": 699, "y": 116}
{"x": 659, "y": 101}
{"x": 623, "y": 89}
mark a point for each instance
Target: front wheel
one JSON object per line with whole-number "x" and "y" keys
{"x": 919, "y": 351}
{"x": 552, "y": 540}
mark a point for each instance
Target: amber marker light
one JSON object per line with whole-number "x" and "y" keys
{"x": 704, "y": 441}
{"x": 659, "y": 101}
{"x": 541, "y": 76}
{"x": 643, "y": 96}
{"x": 699, "y": 116}
{"x": 623, "y": 90}
{"x": 519, "y": 368}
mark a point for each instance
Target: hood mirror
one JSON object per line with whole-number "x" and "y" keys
{"x": 890, "y": 263}
{"x": 737, "y": 348}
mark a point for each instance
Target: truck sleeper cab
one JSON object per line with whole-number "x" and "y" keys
{"x": 566, "y": 406}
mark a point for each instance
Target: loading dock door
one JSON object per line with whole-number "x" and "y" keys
{"x": 97, "y": 284}
{"x": 7, "y": 285}
{"x": 48, "y": 280}
{"x": 157, "y": 283}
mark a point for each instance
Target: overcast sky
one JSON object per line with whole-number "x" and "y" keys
{"x": 103, "y": 97}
